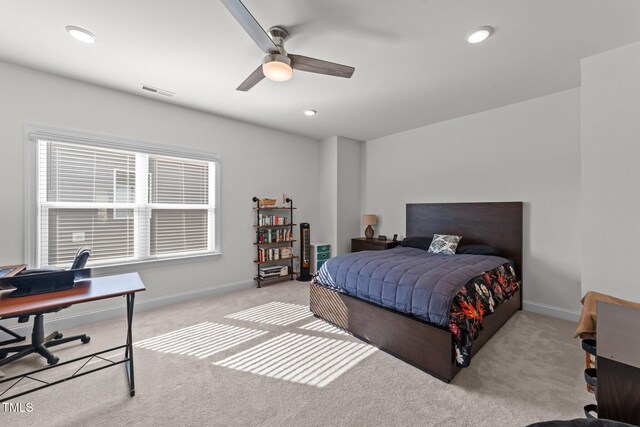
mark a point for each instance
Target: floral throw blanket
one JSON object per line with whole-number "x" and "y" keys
{"x": 477, "y": 299}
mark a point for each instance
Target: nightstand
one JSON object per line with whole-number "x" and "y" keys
{"x": 363, "y": 244}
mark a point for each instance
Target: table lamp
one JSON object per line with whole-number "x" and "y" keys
{"x": 369, "y": 220}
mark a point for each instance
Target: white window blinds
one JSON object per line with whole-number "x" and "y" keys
{"x": 124, "y": 205}
{"x": 179, "y": 200}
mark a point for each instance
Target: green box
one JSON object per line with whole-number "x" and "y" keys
{"x": 323, "y": 248}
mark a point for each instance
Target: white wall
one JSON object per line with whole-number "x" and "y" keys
{"x": 527, "y": 152}
{"x": 610, "y": 172}
{"x": 248, "y": 152}
{"x": 349, "y": 193}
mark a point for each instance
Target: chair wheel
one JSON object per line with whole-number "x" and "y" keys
{"x": 58, "y": 336}
{"x": 3, "y": 355}
{"x": 85, "y": 340}
{"x": 53, "y": 360}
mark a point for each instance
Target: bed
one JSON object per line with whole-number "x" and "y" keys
{"x": 428, "y": 345}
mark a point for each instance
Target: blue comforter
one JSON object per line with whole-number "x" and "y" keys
{"x": 408, "y": 280}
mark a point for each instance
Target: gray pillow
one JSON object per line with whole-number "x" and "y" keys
{"x": 477, "y": 250}
{"x": 444, "y": 244}
{"x": 417, "y": 242}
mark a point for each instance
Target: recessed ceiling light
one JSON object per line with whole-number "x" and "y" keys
{"x": 80, "y": 34}
{"x": 310, "y": 112}
{"x": 479, "y": 35}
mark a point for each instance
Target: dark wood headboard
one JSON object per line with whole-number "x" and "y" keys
{"x": 497, "y": 224}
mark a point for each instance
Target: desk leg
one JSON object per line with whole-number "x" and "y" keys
{"x": 129, "y": 350}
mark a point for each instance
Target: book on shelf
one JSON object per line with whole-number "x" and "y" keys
{"x": 274, "y": 254}
{"x": 275, "y": 271}
{"x": 273, "y": 236}
{"x": 264, "y": 219}
{"x": 269, "y": 275}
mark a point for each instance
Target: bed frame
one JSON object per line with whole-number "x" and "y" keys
{"x": 422, "y": 344}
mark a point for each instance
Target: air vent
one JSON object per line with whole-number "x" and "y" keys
{"x": 158, "y": 91}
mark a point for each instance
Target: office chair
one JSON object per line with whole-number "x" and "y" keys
{"x": 39, "y": 343}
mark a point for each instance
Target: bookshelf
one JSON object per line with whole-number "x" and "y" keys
{"x": 274, "y": 243}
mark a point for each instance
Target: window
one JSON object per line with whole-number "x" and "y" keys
{"x": 127, "y": 202}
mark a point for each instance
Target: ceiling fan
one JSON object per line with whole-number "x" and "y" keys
{"x": 278, "y": 65}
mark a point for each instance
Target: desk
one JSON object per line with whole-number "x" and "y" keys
{"x": 16, "y": 338}
{"x": 618, "y": 361}
{"x": 93, "y": 289}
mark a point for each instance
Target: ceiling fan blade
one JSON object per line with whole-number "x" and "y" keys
{"x": 312, "y": 65}
{"x": 253, "y": 79}
{"x": 250, "y": 25}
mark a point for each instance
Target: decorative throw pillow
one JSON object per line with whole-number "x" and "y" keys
{"x": 444, "y": 244}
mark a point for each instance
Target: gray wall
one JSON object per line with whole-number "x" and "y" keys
{"x": 340, "y": 193}
{"x": 35, "y": 97}
{"x": 527, "y": 152}
{"x": 327, "y": 228}
{"x": 611, "y": 172}
{"x": 548, "y": 152}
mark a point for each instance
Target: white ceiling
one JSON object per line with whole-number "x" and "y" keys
{"x": 413, "y": 66}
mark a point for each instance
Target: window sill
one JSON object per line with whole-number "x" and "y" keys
{"x": 133, "y": 266}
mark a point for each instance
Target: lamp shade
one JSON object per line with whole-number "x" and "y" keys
{"x": 369, "y": 219}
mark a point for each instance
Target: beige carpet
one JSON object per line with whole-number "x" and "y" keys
{"x": 228, "y": 364}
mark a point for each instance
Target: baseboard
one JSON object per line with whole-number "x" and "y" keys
{"x": 78, "y": 319}
{"x": 552, "y": 310}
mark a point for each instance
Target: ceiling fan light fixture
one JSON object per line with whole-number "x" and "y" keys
{"x": 479, "y": 34}
{"x": 277, "y": 68}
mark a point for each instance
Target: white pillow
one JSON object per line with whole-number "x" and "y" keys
{"x": 444, "y": 244}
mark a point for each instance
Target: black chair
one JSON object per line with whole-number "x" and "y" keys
{"x": 39, "y": 343}
{"x": 79, "y": 261}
